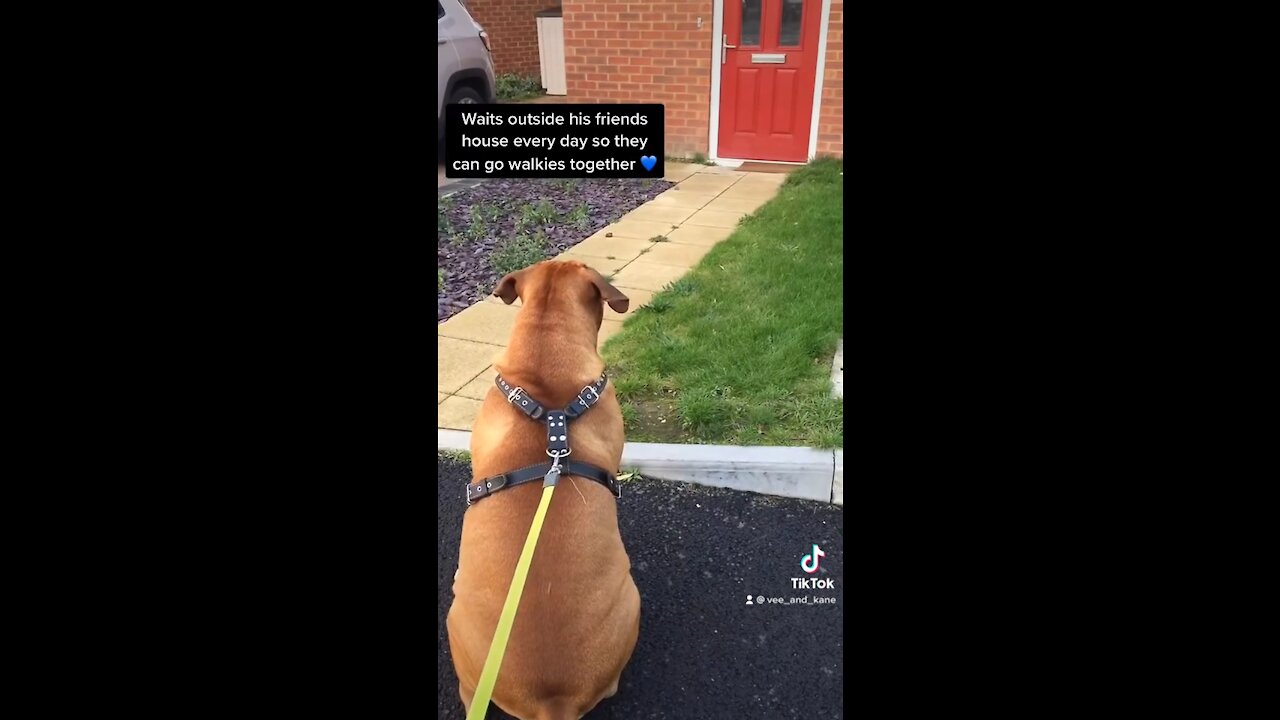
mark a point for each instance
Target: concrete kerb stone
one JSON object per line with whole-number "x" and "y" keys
{"x": 797, "y": 472}
{"x": 837, "y": 480}
{"x": 837, "y": 371}
{"x": 453, "y": 439}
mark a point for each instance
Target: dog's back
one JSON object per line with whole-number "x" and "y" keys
{"x": 578, "y": 619}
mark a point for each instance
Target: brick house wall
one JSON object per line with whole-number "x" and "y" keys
{"x": 649, "y": 52}
{"x": 831, "y": 112}
{"x": 513, "y": 32}
{"x": 654, "y": 52}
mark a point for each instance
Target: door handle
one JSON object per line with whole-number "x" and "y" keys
{"x": 441, "y": 42}
{"x": 725, "y": 47}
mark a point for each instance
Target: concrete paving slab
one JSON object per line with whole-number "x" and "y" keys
{"x": 669, "y": 253}
{"x": 746, "y": 205}
{"x": 721, "y": 170}
{"x": 675, "y": 172}
{"x": 706, "y": 183}
{"x": 479, "y": 387}
{"x": 682, "y": 199}
{"x": 638, "y": 297}
{"x": 600, "y": 245}
{"x": 648, "y": 276}
{"x": 482, "y": 322}
{"x": 641, "y": 229}
{"x": 608, "y": 328}
{"x": 441, "y": 397}
{"x": 652, "y": 212}
{"x": 457, "y": 413}
{"x": 774, "y": 179}
{"x": 747, "y": 192}
{"x": 699, "y": 235}
{"x": 458, "y": 361}
{"x": 604, "y": 266}
{"x": 713, "y": 218}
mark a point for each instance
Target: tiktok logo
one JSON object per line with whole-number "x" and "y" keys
{"x": 809, "y": 563}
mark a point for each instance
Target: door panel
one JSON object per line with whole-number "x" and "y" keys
{"x": 768, "y": 66}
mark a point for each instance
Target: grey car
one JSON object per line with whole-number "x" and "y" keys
{"x": 465, "y": 63}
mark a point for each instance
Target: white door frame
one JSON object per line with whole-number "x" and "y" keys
{"x": 717, "y": 39}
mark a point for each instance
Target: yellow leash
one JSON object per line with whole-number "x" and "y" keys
{"x": 489, "y": 675}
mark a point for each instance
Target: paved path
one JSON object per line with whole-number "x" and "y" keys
{"x": 701, "y": 211}
{"x": 703, "y": 653}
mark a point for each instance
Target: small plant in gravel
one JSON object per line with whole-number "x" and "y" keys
{"x": 458, "y": 456}
{"x": 544, "y": 213}
{"x": 477, "y": 230}
{"x": 525, "y": 221}
{"x": 489, "y": 211}
{"x": 439, "y": 280}
{"x": 579, "y": 217}
{"x": 518, "y": 252}
{"x": 534, "y": 215}
{"x": 568, "y": 186}
{"x": 442, "y": 222}
{"x": 513, "y": 86}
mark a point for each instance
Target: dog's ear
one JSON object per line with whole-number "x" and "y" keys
{"x": 609, "y": 293}
{"x": 509, "y": 287}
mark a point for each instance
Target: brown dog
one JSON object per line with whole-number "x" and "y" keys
{"x": 579, "y": 617}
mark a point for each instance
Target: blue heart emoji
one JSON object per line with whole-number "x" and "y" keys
{"x": 648, "y": 161}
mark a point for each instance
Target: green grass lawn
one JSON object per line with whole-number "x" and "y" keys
{"x": 739, "y": 350}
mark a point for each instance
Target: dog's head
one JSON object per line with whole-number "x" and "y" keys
{"x": 570, "y": 280}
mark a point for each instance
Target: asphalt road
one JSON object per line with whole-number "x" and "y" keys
{"x": 703, "y": 653}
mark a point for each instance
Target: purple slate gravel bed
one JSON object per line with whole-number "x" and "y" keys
{"x": 469, "y": 277}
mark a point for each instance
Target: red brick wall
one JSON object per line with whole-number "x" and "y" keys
{"x": 654, "y": 52}
{"x": 650, "y": 52}
{"x": 513, "y": 32}
{"x": 831, "y": 112}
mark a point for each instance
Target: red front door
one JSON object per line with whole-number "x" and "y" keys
{"x": 767, "y": 65}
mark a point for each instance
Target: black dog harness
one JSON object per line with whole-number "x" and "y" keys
{"x": 557, "y": 422}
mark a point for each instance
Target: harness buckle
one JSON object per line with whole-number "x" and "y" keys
{"x": 514, "y": 395}
{"x": 594, "y": 399}
{"x": 486, "y": 487}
